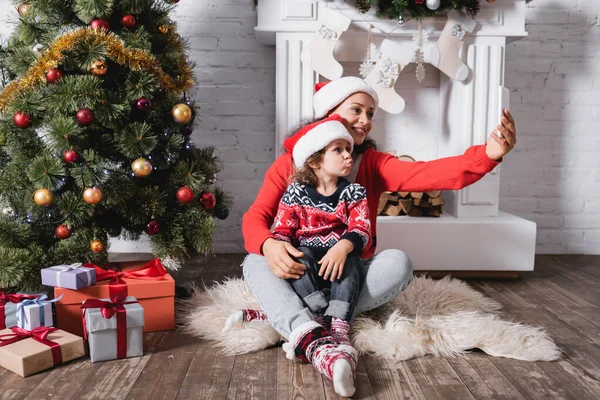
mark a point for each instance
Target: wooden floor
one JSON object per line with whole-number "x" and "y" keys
{"x": 563, "y": 295}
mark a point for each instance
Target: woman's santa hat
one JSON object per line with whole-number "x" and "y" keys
{"x": 329, "y": 94}
{"x": 316, "y": 136}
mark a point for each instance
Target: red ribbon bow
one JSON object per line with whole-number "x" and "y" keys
{"x": 13, "y": 298}
{"x": 39, "y": 334}
{"x": 108, "y": 309}
{"x": 117, "y": 288}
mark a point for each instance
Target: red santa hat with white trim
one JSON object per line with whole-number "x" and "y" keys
{"x": 316, "y": 136}
{"x": 329, "y": 94}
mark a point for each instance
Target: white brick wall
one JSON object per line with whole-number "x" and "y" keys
{"x": 552, "y": 177}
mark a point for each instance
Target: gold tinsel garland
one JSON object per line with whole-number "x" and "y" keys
{"x": 135, "y": 59}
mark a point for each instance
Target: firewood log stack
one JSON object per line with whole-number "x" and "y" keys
{"x": 414, "y": 204}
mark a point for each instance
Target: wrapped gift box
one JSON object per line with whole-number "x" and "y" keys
{"x": 103, "y": 333}
{"x": 8, "y": 307}
{"x": 29, "y": 356}
{"x": 156, "y": 296}
{"x": 74, "y": 276}
{"x": 34, "y": 313}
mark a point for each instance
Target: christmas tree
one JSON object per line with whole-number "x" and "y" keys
{"x": 95, "y": 138}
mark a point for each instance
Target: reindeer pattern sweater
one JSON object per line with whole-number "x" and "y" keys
{"x": 310, "y": 219}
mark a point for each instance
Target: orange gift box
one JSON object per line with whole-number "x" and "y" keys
{"x": 156, "y": 296}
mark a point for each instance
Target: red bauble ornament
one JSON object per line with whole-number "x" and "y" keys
{"x": 153, "y": 227}
{"x": 53, "y": 75}
{"x": 143, "y": 104}
{"x": 187, "y": 130}
{"x": 185, "y": 195}
{"x": 70, "y": 156}
{"x": 419, "y": 2}
{"x": 207, "y": 199}
{"x": 85, "y": 116}
{"x": 99, "y": 24}
{"x": 63, "y": 232}
{"x": 22, "y": 120}
{"x": 128, "y": 21}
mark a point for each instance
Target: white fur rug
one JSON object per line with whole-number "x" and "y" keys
{"x": 442, "y": 317}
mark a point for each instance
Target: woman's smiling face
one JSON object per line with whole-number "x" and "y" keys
{"x": 357, "y": 112}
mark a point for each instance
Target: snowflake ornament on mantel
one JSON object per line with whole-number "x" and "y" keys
{"x": 372, "y": 55}
{"x": 420, "y": 38}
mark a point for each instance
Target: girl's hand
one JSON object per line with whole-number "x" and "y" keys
{"x": 332, "y": 263}
{"x": 283, "y": 266}
{"x": 503, "y": 139}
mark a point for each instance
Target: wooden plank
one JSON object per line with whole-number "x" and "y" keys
{"x": 167, "y": 368}
{"x": 297, "y": 380}
{"x": 16, "y": 388}
{"x": 435, "y": 378}
{"x": 254, "y": 376}
{"x": 59, "y": 381}
{"x": 483, "y": 379}
{"x": 208, "y": 376}
{"x": 386, "y": 382}
{"x": 115, "y": 378}
{"x": 363, "y": 384}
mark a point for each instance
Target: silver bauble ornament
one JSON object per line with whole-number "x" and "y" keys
{"x": 37, "y": 48}
{"x": 9, "y": 212}
{"x": 433, "y": 4}
{"x": 401, "y": 21}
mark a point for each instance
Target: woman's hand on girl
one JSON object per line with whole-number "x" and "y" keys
{"x": 283, "y": 266}
{"x": 503, "y": 139}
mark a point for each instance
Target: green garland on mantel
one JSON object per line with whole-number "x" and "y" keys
{"x": 415, "y": 9}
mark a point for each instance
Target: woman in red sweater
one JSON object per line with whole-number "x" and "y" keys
{"x": 387, "y": 273}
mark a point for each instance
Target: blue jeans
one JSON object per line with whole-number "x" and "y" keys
{"x": 336, "y": 298}
{"x": 384, "y": 276}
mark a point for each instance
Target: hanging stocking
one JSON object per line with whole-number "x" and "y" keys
{"x": 446, "y": 55}
{"x": 392, "y": 60}
{"x": 319, "y": 54}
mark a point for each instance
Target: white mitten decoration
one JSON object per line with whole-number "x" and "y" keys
{"x": 319, "y": 54}
{"x": 446, "y": 55}
{"x": 392, "y": 60}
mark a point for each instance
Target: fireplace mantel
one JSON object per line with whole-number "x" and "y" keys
{"x": 472, "y": 234}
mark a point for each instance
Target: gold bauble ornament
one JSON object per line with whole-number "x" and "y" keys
{"x": 182, "y": 114}
{"x": 163, "y": 29}
{"x": 23, "y": 9}
{"x": 96, "y": 246}
{"x": 141, "y": 167}
{"x": 98, "y": 68}
{"x": 92, "y": 195}
{"x": 43, "y": 197}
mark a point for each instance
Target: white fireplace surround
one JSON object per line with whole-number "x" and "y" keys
{"x": 472, "y": 234}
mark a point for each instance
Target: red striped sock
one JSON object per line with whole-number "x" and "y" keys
{"x": 340, "y": 330}
{"x": 254, "y": 315}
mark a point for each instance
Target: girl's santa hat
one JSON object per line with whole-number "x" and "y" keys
{"x": 316, "y": 136}
{"x": 329, "y": 94}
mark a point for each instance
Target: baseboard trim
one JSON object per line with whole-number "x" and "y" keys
{"x": 471, "y": 274}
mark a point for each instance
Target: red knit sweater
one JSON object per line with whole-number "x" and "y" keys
{"x": 378, "y": 172}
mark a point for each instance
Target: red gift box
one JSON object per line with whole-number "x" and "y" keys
{"x": 151, "y": 284}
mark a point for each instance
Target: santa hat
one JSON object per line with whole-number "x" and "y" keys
{"x": 316, "y": 136}
{"x": 329, "y": 94}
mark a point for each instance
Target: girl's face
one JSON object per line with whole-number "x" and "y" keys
{"x": 357, "y": 112}
{"x": 337, "y": 159}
